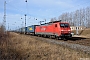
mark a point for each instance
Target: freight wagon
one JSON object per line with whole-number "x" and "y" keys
{"x": 23, "y": 30}
{"x": 31, "y": 29}
{"x": 54, "y": 29}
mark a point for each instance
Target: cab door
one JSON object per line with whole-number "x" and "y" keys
{"x": 56, "y": 29}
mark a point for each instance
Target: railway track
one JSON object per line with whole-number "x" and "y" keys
{"x": 76, "y": 43}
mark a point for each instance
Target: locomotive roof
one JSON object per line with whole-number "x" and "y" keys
{"x": 55, "y": 21}
{"x": 51, "y": 22}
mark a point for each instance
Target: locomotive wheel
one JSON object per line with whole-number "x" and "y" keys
{"x": 38, "y": 35}
{"x": 44, "y": 36}
{"x": 57, "y": 38}
{"x": 65, "y": 39}
{"x": 50, "y": 37}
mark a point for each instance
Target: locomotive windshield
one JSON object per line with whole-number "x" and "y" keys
{"x": 64, "y": 25}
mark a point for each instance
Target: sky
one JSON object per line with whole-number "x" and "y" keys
{"x": 36, "y": 9}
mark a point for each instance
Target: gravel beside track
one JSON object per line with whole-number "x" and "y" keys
{"x": 85, "y": 49}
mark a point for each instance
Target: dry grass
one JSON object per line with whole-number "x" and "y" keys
{"x": 85, "y": 32}
{"x": 27, "y": 48}
{"x": 3, "y": 44}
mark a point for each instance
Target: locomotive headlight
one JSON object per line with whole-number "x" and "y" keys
{"x": 69, "y": 30}
{"x": 62, "y": 30}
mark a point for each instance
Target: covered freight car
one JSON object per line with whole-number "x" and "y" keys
{"x": 55, "y": 29}
{"x": 31, "y": 29}
{"x": 23, "y": 30}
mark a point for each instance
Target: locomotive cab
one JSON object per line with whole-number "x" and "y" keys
{"x": 65, "y": 31}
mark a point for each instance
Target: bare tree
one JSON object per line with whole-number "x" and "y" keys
{"x": 77, "y": 18}
{"x": 88, "y": 17}
{"x": 53, "y": 19}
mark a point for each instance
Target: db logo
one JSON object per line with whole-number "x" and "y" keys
{"x": 43, "y": 29}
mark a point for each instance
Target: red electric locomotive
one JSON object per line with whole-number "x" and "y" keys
{"x": 55, "y": 29}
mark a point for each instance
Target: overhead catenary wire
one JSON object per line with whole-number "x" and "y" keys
{"x": 21, "y": 11}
